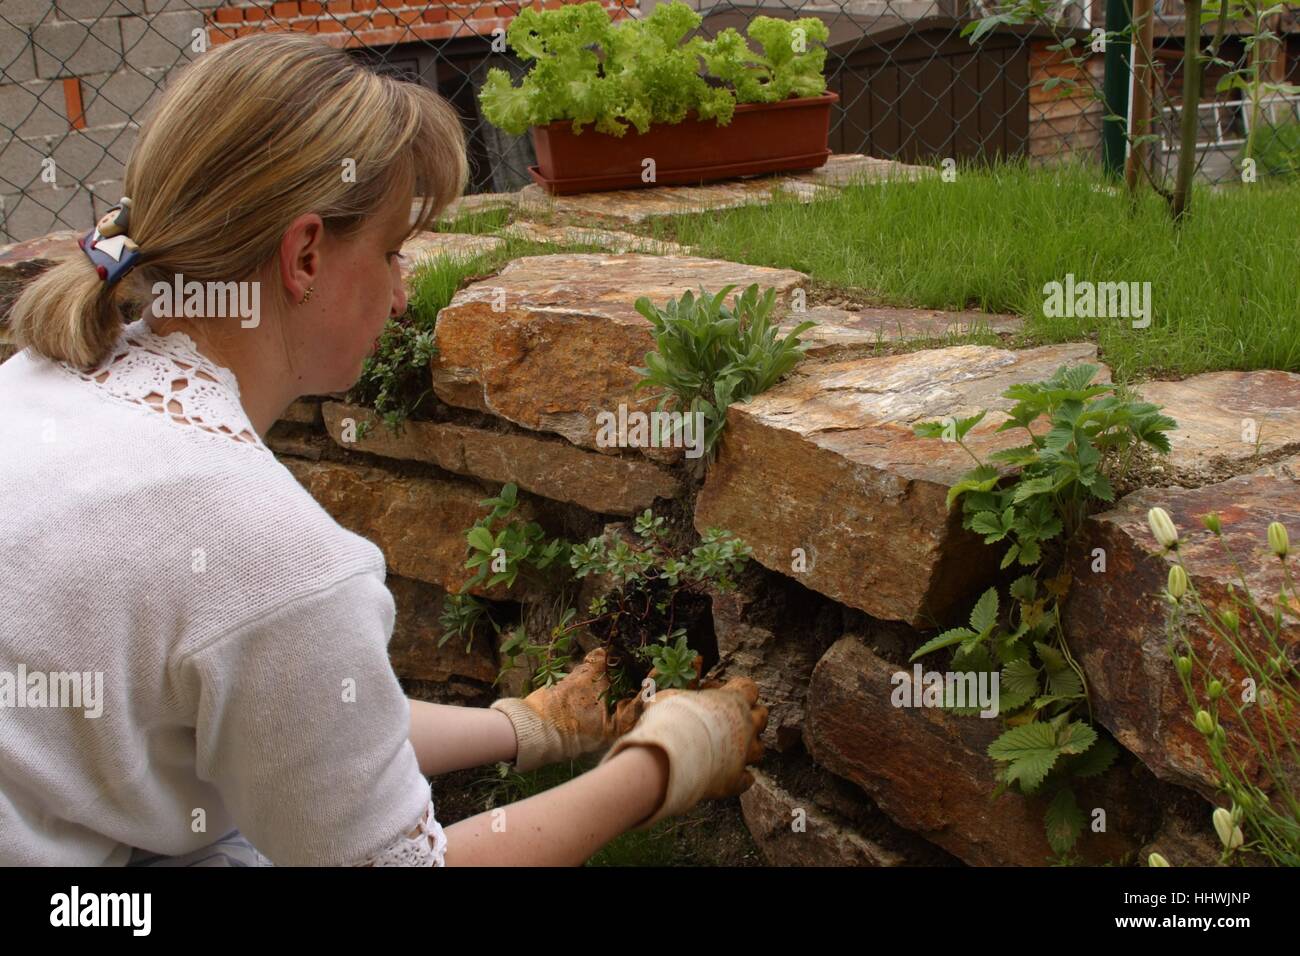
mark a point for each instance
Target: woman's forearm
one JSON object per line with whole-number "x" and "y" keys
{"x": 449, "y": 738}
{"x": 565, "y": 825}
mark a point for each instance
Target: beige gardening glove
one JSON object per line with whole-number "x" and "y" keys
{"x": 569, "y": 718}
{"x": 708, "y": 735}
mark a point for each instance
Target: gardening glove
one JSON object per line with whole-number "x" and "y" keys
{"x": 569, "y": 718}
{"x": 708, "y": 735}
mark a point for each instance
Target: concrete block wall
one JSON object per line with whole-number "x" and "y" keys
{"x": 76, "y": 76}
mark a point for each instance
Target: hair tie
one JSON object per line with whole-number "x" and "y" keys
{"x": 108, "y": 247}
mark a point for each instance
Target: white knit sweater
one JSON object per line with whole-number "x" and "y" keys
{"x": 240, "y": 633}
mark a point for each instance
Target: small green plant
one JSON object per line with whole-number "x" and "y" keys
{"x": 1076, "y": 430}
{"x": 1264, "y": 711}
{"x": 638, "y": 619}
{"x": 638, "y": 71}
{"x": 395, "y": 379}
{"x": 1277, "y": 149}
{"x": 708, "y": 356}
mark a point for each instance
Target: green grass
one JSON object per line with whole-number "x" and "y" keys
{"x": 1225, "y": 290}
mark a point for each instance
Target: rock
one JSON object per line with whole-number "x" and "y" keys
{"x": 472, "y": 203}
{"x": 564, "y": 337}
{"x": 546, "y": 466}
{"x": 929, "y": 771}
{"x": 303, "y": 411}
{"x": 842, "y": 333}
{"x": 1116, "y": 622}
{"x": 20, "y": 262}
{"x": 774, "y": 632}
{"x": 414, "y": 650}
{"x": 419, "y": 523}
{"x": 424, "y": 246}
{"x": 788, "y": 832}
{"x": 286, "y": 438}
{"x": 622, "y": 207}
{"x": 1227, "y": 419}
{"x": 612, "y": 240}
{"x": 827, "y": 462}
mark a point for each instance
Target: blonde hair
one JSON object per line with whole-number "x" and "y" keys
{"x": 245, "y": 139}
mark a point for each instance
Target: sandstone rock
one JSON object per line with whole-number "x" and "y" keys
{"x": 303, "y": 411}
{"x": 772, "y": 813}
{"x": 472, "y": 203}
{"x": 613, "y": 240}
{"x": 424, "y": 246}
{"x": 545, "y": 466}
{"x": 22, "y": 261}
{"x": 929, "y": 771}
{"x": 1117, "y": 624}
{"x": 562, "y": 341}
{"x": 774, "y": 632}
{"x": 414, "y": 650}
{"x": 286, "y": 438}
{"x": 627, "y": 206}
{"x": 841, "y": 333}
{"x": 1227, "y": 419}
{"x": 419, "y": 523}
{"x": 827, "y": 462}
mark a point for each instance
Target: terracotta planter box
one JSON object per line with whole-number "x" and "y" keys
{"x": 761, "y": 138}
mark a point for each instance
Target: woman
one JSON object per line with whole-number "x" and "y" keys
{"x": 149, "y": 539}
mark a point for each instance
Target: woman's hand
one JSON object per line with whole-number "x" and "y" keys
{"x": 569, "y": 718}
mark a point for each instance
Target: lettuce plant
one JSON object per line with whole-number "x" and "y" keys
{"x": 638, "y": 72}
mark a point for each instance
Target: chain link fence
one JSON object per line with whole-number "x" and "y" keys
{"x": 78, "y": 76}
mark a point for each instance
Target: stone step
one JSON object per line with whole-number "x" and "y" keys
{"x": 552, "y": 341}
{"x": 827, "y": 462}
{"x": 1115, "y": 620}
{"x": 549, "y": 467}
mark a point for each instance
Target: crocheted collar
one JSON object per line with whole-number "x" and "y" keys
{"x": 179, "y": 345}
{"x": 169, "y": 375}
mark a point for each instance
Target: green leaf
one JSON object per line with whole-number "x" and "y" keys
{"x": 1031, "y": 750}
{"x": 984, "y": 616}
{"x": 1095, "y": 760}
{"x": 946, "y": 639}
{"x": 1064, "y": 821}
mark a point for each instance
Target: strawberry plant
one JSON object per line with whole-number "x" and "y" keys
{"x": 1034, "y": 515}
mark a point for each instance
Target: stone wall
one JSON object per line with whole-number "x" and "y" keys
{"x": 857, "y": 560}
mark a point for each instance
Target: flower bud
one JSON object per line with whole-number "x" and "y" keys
{"x": 1177, "y": 582}
{"x": 1237, "y": 813}
{"x": 1216, "y": 690}
{"x": 1155, "y": 859}
{"x": 1277, "y": 539}
{"x": 1184, "y": 665}
{"x": 1162, "y": 526}
{"x": 1230, "y": 619}
{"x": 1212, "y": 522}
{"x": 1223, "y": 826}
{"x": 1204, "y": 722}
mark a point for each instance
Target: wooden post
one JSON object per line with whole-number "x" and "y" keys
{"x": 1143, "y": 84}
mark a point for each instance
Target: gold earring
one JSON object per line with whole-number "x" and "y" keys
{"x": 308, "y": 295}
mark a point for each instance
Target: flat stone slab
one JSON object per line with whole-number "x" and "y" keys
{"x": 414, "y": 651}
{"x": 771, "y": 812}
{"x": 22, "y": 261}
{"x": 1117, "y": 625}
{"x": 1228, "y": 419}
{"x": 472, "y": 203}
{"x": 628, "y": 206}
{"x": 610, "y": 239}
{"x": 549, "y": 467}
{"x": 841, "y": 332}
{"x": 929, "y": 770}
{"x": 827, "y": 462}
{"x": 419, "y": 523}
{"x": 424, "y": 246}
{"x": 552, "y": 341}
